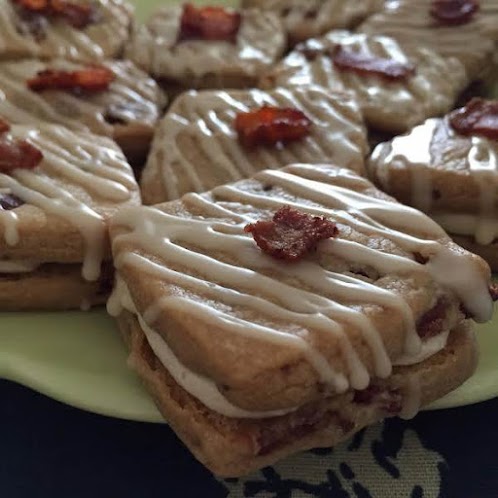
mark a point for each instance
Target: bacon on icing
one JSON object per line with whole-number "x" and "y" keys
{"x": 209, "y": 23}
{"x": 270, "y": 125}
{"x": 364, "y": 64}
{"x": 16, "y": 154}
{"x": 77, "y": 15}
{"x": 291, "y": 234}
{"x": 478, "y": 117}
{"x": 454, "y": 12}
{"x": 91, "y": 79}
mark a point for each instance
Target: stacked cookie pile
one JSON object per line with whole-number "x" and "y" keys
{"x": 272, "y": 297}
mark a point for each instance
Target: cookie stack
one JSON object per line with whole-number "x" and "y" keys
{"x": 273, "y": 299}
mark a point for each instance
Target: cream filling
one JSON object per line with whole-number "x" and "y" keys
{"x": 206, "y": 390}
{"x": 484, "y": 229}
{"x": 200, "y": 387}
{"x": 429, "y": 348}
{"x": 20, "y": 266}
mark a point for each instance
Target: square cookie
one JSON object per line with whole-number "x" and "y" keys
{"x": 468, "y": 39}
{"x": 289, "y": 310}
{"x": 305, "y": 19}
{"x": 395, "y": 89}
{"x": 197, "y": 146}
{"x": 119, "y": 100}
{"x": 58, "y": 189}
{"x": 450, "y": 175}
{"x": 184, "y": 55}
{"x": 95, "y": 31}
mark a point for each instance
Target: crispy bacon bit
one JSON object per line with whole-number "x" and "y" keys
{"x": 10, "y": 201}
{"x": 454, "y": 12}
{"x": 270, "y": 126}
{"x": 291, "y": 234}
{"x": 433, "y": 321}
{"x": 18, "y": 154}
{"x": 4, "y": 126}
{"x": 77, "y": 15}
{"x": 493, "y": 291}
{"x": 92, "y": 79}
{"x": 364, "y": 64}
{"x": 389, "y": 400}
{"x": 478, "y": 117}
{"x": 209, "y": 23}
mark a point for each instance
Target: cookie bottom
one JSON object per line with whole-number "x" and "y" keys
{"x": 135, "y": 141}
{"x": 488, "y": 252}
{"x": 234, "y": 447}
{"x": 53, "y": 286}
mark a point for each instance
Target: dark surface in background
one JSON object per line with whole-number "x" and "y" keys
{"x": 51, "y": 450}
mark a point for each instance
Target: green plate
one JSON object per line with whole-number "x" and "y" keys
{"x": 78, "y": 358}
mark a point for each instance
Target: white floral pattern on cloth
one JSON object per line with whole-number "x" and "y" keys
{"x": 384, "y": 461}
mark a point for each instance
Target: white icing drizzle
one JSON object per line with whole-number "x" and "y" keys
{"x": 9, "y": 220}
{"x": 305, "y": 294}
{"x": 153, "y": 46}
{"x": 13, "y": 266}
{"x": 434, "y": 146}
{"x": 97, "y": 41}
{"x": 415, "y": 27}
{"x": 306, "y": 18}
{"x": 76, "y": 170}
{"x": 212, "y": 155}
{"x": 132, "y": 97}
{"x": 411, "y": 397}
{"x": 386, "y": 105}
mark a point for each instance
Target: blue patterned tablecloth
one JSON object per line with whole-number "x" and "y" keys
{"x": 51, "y": 450}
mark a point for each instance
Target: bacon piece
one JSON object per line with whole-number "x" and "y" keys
{"x": 34, "y": 5}
{"x": 278, "y": 432}
{"x": 18, "y": 154}
{"x": 91, "y": 79}
{"x": 454, "y": 12}
{"x": 291, "y": 234}
{"x": 364, "y": 64}
{"x": 77, "y": 15}
{"x": 433, "y": 321}
{"x": 389, "y": 400}
{"x": 478, "y": 117}
{"x": 4, "y": 126}
{"x": 10, "y": 201}
{"x": 209, "y": 23}
{"x": 271, "y": 125}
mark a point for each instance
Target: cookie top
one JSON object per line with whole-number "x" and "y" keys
{"x": 24, "y": 34}
{"x": 470, "y": 42}
{"x": 452, "y": 177}
{"x": 58, "y": 210}
{"x": 273, "y": 334}
{"x": 305, "y": 19}
{"x": 199, "y": 63}
{"x": 130, "y": 99}
{"x": 389, "y": 103}
{"x": 196, "y": 146}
